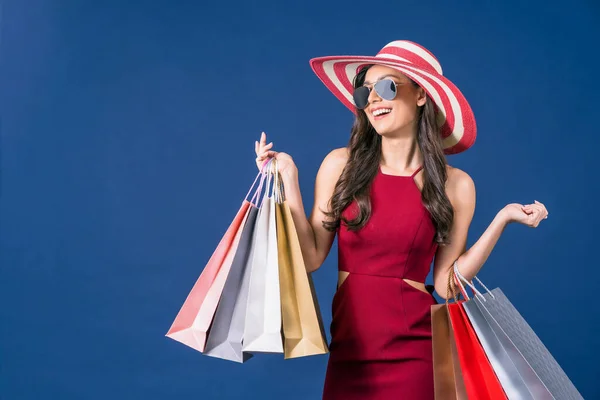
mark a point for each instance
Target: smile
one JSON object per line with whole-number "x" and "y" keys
{"x": 381, "y": 112}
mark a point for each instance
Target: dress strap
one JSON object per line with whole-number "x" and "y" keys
{"x": 416, "y": 171}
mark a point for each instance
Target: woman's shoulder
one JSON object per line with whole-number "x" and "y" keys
{"x": 332, "y": 167}
{"x": 339, "y": 155}
{"x": 335, "y": 160}
{"x": 459, "y": 186}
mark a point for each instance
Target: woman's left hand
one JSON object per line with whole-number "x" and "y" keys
{"x": 528, "y": 214}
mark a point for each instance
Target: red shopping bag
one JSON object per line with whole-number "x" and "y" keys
{"x": 480, "y": 380}
{"x": 192, "y": 323}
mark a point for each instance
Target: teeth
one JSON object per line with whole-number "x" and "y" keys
{"x": 382, "y": 111}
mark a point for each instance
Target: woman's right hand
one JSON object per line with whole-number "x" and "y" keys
{"x": 285, "y": 163}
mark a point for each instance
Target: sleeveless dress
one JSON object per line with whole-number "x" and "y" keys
{"x": 381, "y": 326}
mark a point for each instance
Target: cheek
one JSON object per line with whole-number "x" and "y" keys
{"x": 405, "y": 111}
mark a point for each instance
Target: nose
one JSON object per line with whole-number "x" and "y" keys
{"x": 373, "y": 96}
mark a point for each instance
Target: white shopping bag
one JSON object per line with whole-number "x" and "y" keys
{"x": 262, "y": 331}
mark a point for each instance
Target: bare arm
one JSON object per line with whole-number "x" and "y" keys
{"x": 461, "y": 191}
{"x": 315, "y": 240}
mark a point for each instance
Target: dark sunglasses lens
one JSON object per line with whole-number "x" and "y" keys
{"x": 386, "y": 89}
{"x": 361, "y": 97}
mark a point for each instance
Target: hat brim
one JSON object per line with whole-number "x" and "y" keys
{"x": 455, "y": 116}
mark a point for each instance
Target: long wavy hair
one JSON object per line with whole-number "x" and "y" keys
{"x": 363, "y": 164}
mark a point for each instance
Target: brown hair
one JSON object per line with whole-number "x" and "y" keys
{"x": 363, "y": 164}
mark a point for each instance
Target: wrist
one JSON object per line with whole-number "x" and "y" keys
{"x": 289, "y": 176}
{"x": 503, "y": 217}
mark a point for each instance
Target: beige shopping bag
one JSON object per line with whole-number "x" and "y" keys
{"x": 303, "y": 330}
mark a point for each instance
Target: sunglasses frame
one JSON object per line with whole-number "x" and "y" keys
{"x": 372, "y": 86}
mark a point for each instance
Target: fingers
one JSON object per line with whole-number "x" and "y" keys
{"x": 543, "y": 207}
{"x": 265, "y": 152}
{"x": 264, "y": 155}
{"x": 539, "y": 210}
{"x": 259, "y": 148}
{"x": 536, "y": 212}
{"x": 262, "y": 146}
{"x": 527, "y": 210}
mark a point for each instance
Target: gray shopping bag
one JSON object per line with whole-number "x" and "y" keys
{"x": 517, "y": 344}
{"x": 225, "y": 335}
{"x": 510, "y": 321}
{"x": 517, "y": 378}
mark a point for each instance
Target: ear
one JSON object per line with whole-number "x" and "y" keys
{"x": 422, "y": 97}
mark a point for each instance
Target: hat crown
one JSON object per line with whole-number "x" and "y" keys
{"x": 410, "y": 52}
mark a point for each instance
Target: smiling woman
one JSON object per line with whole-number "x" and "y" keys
{"x": 391, "y": 111}
{"x": 396, "y": 206}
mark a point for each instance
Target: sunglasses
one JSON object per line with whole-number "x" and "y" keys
{"x": 385, "y": 88}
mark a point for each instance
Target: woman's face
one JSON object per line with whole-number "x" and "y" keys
{"x": 393, "y": 118}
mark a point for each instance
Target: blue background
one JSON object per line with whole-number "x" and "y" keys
{"x": 127, "y": 145}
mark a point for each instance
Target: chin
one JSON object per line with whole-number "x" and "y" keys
{"x": 391, "y": 130}
{"x": 382, "y": 132}
{"x": 386, "y": 130}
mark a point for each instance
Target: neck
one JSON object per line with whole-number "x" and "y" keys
{"x": 401, "y": 153}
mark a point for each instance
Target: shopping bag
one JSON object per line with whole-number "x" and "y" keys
{"x": 262, "y": 331}
{"x": 195, "y": 316}
{"x": 448, "y": 380}
{"x": 226, "y": 333}
{"x": 303, "y": 329}
{"x": 461, "y": 390}
{"x": 516, "y": 376}
{"x": 538, "y": 369}
{"x": 479, "y": 378}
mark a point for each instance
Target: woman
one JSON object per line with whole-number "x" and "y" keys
{"x": 396, "y": 207}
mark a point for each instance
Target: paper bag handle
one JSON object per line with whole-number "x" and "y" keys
{"x": 262, "y": 175}
{"x": 461, "y": 279}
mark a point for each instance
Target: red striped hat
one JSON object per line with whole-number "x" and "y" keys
{"x": 455, "y": 116}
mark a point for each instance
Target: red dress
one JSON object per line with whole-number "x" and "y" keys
{"x": 381, "y": 327}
